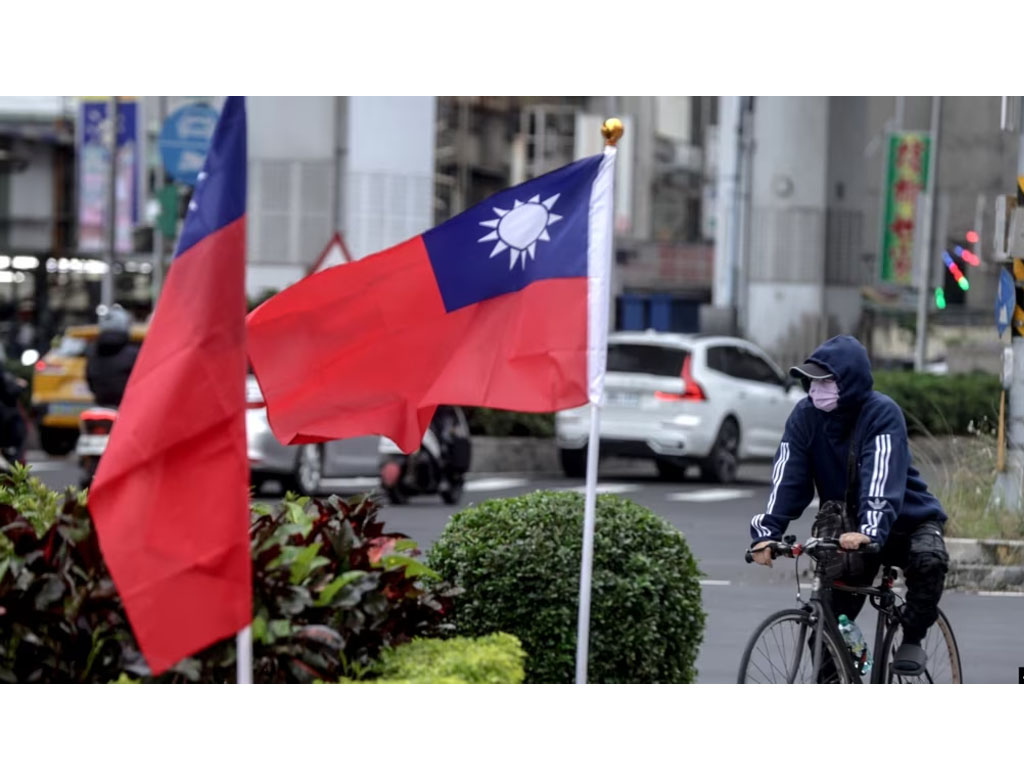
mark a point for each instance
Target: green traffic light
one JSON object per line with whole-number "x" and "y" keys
{"x": 940, "y": 298}
{"x": 964, "y": 285}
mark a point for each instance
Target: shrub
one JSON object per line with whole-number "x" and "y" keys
{"x": 60, "y": 617}
{"x": 30, "y": 498}
{"x": 331, "y": 589}
{"x": 494, "y": 423}
{"x": 517, "y": 561}
{"x": 496, "y": 658}
{"x": 942, "y": 405}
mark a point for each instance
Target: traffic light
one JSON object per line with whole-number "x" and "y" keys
{"x": 940, "y": 298}
{"x": 954, "y": 270}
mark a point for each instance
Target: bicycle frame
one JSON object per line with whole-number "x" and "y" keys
{"x": 882, "y": 599}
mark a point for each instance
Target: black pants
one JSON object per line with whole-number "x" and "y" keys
{"x": 921, "y": 554}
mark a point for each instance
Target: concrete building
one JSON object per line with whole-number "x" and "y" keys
{"x": 765, "y": 211}
{"x": 664, "y": 168}
{"x": 808, "y": 220}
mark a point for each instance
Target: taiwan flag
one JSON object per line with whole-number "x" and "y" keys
{"x": 170, "y": 500}
{"x": 504, "y": 306}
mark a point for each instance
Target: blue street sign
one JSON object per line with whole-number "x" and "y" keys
{"x": 185, "y": 139}
{"x": 1005, "y": 301}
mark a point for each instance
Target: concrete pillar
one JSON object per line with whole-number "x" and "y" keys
{"x": 785, "y": 260}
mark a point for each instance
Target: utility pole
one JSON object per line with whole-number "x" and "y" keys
{"x": 107, "y": 284}
{"x": 1009, "y": 482}
{"x": 921, "y": 341}
{"x": 158, "y": 235}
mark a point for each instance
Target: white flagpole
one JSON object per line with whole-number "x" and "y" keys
{"x": 243, "y": 656}
{"x": 599, "y": 258}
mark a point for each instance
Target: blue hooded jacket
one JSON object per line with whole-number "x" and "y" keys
{"x": 815, "y": 449}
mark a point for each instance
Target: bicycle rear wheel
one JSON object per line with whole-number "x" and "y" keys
{"x": 943, "y": 665}
{"x": 780, "y": 651}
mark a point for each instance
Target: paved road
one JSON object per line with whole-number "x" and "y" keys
{"x": 714, "y": 519}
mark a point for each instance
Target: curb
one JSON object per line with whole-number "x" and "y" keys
{"x": 993, "y": 565}
{"x": 514, "y": 454}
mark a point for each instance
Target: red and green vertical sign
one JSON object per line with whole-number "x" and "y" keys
{"x": 905, "y": 178}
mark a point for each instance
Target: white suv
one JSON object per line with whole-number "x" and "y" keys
{"x": 683, "y": 400}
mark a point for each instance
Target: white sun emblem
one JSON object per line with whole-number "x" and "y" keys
{"x": 520, "y": 228}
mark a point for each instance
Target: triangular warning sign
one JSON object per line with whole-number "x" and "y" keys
{"x": 333, "y": 254}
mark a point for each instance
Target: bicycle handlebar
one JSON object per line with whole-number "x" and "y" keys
{"x": 811, "y": 546}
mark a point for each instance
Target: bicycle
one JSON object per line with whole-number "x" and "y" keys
{"x": 785, "y": 647}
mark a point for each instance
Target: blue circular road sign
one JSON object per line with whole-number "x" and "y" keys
{"x": 185, "y": 139}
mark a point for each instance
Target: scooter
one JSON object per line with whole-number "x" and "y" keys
{"x": 94, "y": 426}
{"x": 439, "y": 466}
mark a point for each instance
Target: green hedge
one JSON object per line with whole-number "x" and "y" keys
{"x": 517, "y": 562}
{"x": 496, "y": 658}
{"x": 494, "y": 423}
{"x": 943, "y": 405}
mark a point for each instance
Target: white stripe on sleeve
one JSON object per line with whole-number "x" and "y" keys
{"x": 780, "y": 468}
{"x": 880, "y": 474}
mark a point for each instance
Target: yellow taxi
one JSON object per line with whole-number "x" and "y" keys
{"x": 59, "y": 388}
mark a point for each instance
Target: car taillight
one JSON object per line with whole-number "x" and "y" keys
{"x": 54, "y": 370}
{"x": 98, "y": 427}
{"x": 98, "y": 422}
{"x": 692, "y": 391}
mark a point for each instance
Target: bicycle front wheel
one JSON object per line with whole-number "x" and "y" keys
{"x": 943, "y": 665}
{"x": 780, "y": 651}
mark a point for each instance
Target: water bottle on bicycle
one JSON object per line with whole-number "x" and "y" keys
{"x": 856, "y": 643}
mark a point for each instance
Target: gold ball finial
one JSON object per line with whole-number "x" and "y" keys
{"x": 612, "y": 131}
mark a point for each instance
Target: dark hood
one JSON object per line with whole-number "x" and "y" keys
{"x": 846, "y": 359}
{"x": 111, "y": 342}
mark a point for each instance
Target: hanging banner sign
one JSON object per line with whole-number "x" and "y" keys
{"x": 905, "y": 178}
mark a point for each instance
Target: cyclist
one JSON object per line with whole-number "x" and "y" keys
{"x": 895, "y": 508}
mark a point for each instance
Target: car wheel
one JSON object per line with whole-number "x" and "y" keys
{"x": 57, "y": 442}
{"x": 396, "y": 496}
{"x": 574, "y": 462}
{"x": 670, "y": 470}
{"x": 723, "y": 462}
{"x": 309, "y": 469}
{"x": 452, "y": 494}
{"x": 256, "y": 481}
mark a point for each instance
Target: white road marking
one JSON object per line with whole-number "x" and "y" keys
{"x": 349, "y": 482}
{"x": 482, "y": 484}
{"x": 711, "y": 494}
{"x": 714, "y": 583}
{"x": 50, "y": 466}
{"x": 609, "y": 488}
{"x": 1001, "y": 594}
{"x": 494, "y": 483}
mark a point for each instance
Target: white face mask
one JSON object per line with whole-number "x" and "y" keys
{"x": 824, "y": 394}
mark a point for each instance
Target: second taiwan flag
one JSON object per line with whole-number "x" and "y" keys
{"x": 503, "y": 306}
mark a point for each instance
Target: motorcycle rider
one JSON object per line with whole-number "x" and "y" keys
{"x": 111, "y": 357}
{"x": 13, "y": 430}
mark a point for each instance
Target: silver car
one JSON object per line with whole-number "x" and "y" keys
{"x": 301, "y": 467}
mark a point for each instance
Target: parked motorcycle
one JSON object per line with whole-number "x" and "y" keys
{"x": 439, "y": 466}
{"x": 94, "y": 426}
